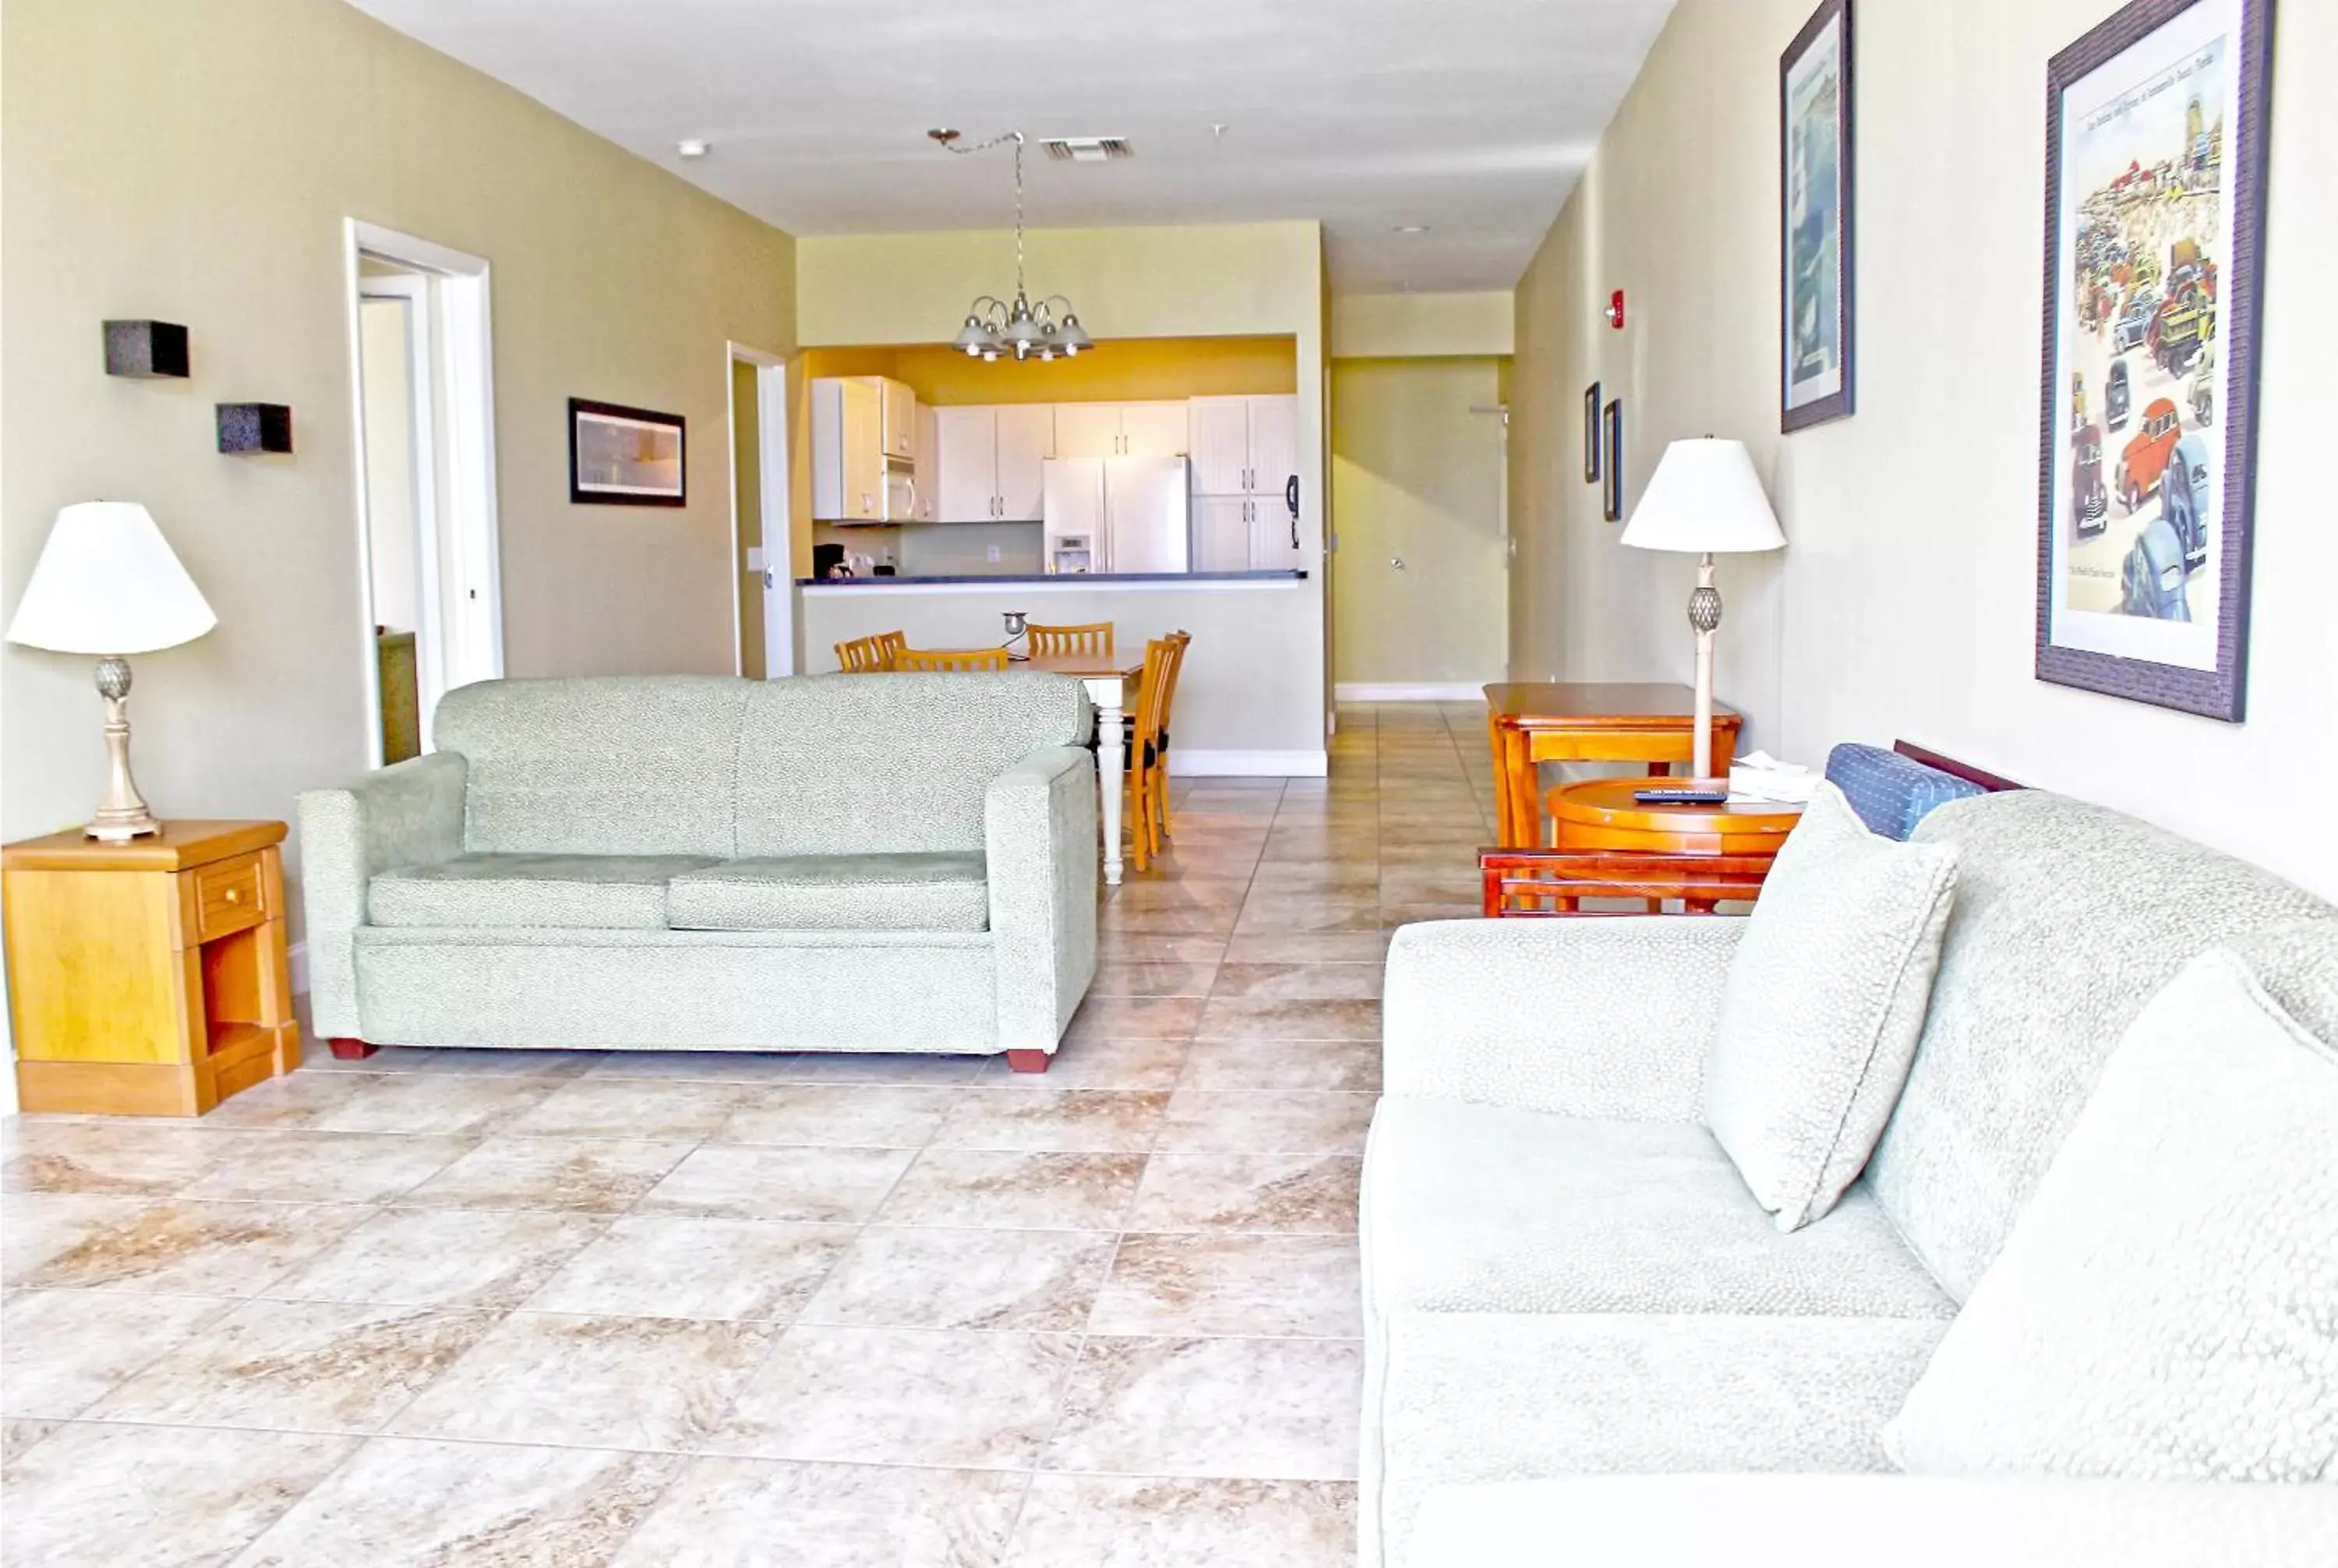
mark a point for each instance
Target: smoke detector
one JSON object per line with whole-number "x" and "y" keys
{"x": 1088, "y": 149}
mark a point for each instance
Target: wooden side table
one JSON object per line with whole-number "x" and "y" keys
{"x": 1604, "y": 843}
{"x": 148, "y": 978}
{"x": 1532, "y": 722}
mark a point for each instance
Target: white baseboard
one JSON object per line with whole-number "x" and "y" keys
{"x": 297, "y": 957}
{"x": 1409, "y": 691}
{"x": 1248, "y": 764}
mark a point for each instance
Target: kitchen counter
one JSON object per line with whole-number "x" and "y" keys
{"x": 1065, "y": 579}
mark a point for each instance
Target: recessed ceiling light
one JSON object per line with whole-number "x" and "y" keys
{"x": 693, "y": 148}
{"x": 1412, "y": 228}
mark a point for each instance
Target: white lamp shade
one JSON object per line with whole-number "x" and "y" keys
{"x": 107, "y": 583}
{"x": 1704, "y": 496}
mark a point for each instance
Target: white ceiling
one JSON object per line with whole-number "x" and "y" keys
{"x": 1472, "y": 116}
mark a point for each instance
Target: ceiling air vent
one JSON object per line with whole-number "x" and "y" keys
{"x": 1088, "y": 149}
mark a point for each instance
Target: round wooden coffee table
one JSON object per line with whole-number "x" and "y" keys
{"x": 1616, "y": 846}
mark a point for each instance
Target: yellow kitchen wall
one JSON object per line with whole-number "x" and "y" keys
{"x": 1904, "y": 603}
{"x": 196, "y": 163}
{"x": 1129, "y": 370}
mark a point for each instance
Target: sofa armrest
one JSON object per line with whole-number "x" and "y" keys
{"x": 411, "y": 814}
{"x": 1039, "y": 832}
{"x": 1597, "y": 1016}
{"x": 1860, "y": 1521}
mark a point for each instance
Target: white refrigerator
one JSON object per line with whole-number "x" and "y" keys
{"x": 1117, "y": 514}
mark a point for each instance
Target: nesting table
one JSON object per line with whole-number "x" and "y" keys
{"x": 1532, "y": 722}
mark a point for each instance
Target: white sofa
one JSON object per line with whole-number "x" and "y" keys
{"x": 1586, "y": 1342}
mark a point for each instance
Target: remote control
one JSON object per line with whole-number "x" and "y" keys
{"x": 1680, "y": 797}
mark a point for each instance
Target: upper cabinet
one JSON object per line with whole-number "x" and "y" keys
{"x": 848, "y": 450}
{"x": 1121, "y": 430}
{"x": 992, "y": 462}
{"x": 900, "y": 418}
{"x": 1244, "y": 445}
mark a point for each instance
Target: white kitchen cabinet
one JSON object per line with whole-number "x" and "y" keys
{"x": 899, "y": 416}
{"x": 1245, "y": 446}
{"x": 992, "y": 462}
{"x": 1088, "y": 429}
{"x": 1121, "y": 430}
{"x": 1270, "y": 545}
{"x": 926, "y": 464}
{"x": 1153, "y": 429}
{"x": 847, "y": 453}
{"x": 1222, "y": 533}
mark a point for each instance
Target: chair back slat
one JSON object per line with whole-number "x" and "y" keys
{"x": 1093, "y": 638}
{"x": 949, "y": 659}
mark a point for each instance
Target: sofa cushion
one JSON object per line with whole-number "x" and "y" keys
{"x": 2067, "y": 918}
{"x": 1891, "y": 793}
{"x": 2167, "y": 1308}
{"x": 1465, "y": 1398}
{"x": 886, "y": 764}
{"x": 930, "y": 892}
{"x": 1825, "y": 998}
{"x": 1486, "y": 1209}
{"x": 601, "y": 765}
{"x": 611, "y": 892}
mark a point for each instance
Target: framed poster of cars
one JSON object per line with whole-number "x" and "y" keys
{"x": 2154, "y": 217}
{"x": 1814, "y": 163}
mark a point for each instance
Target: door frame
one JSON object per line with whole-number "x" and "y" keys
{"x": 774, "y": 495}
{"x": 464, "y": 344}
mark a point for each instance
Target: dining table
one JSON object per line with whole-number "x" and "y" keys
{"x": 1108, "y": 677}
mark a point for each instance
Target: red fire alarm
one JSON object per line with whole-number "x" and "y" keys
{"x": 1615, "y": 309}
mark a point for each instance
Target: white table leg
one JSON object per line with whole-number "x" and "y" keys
{"x": 1112, "y": 764}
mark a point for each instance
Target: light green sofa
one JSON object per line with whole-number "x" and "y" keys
{"x": 829, "y": 863}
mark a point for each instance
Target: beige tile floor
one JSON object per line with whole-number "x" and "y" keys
{"x": 644, "y": 1311}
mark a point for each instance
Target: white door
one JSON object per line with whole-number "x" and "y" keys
{"x": 1221, "y": 442}
{"x": 1270, "y": 545}
{"x": 1026, "y": 439}
{"x": 926, "y": 464}
{"x": 1221, "y": 533}
{"x": 966, "y": 455}
{"x": 1273, "y": 445}
{"x": 864, "y": 451}
{"x": 1154, "y": 430}
{"x": 1146, "y": 505}
{"x": 1088, "y": 429}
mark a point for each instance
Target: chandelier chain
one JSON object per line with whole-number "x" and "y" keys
{"x": 993, "y": 325}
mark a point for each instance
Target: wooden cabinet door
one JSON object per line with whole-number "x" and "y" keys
{"x": 1271, "y": 549}
{"x": 1221, "y": 444}
{"x": 1088, "y": 429}
{"x": 900, "y": 417}
{"x": 965, "y": 458}
{"x": 1222, "y": 540}
{"x": 1273, "y": 446}
{"x": 1026, "y": 439}
{"x": 926, "y": 462}
{"x": 864, "y": 452}
{"x": 1154, "y": 430}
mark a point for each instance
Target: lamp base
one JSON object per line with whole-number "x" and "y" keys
{"x": 123, "y": 815}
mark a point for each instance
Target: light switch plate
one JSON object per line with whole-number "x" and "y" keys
{"x": 754, "y": 558}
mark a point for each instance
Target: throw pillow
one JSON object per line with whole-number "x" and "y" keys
{"x": 1823, "y": 1002}
{"x": 2166, "y": 1307}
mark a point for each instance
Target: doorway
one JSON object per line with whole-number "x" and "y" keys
{"x": 763, "y": 555}
{"x": 430, "y": 582}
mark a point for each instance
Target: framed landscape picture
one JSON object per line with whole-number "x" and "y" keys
{"x": 1591, "y": 434}
{"x": 623, "y": 456}
{"x": 2154, "y": 214}
{"x": 1814, "y": 167}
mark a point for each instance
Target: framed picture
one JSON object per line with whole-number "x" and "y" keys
{"x": 622, "y": 457}
{"x": 1815, "y": 183}
{"x": 2155, "y": 219}
{"x": 1611, "y": 437}
{"x": 1591, "y": 434}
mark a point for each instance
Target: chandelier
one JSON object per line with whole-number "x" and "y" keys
{"x": 995, "y": 326}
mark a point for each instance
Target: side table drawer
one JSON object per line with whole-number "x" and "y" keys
{"x": 230, "y": 896}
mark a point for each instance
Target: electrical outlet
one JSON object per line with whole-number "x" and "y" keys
{"x": 990, "y": 553}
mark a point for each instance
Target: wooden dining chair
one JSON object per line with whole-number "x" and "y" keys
{"x": 949, "y": 658}
{"x": 858, "y": 657}
{"x": 1144, "y": 775}
{"x": 888, "y": 647}
{"x": 1094, "y": 639}
{"x": 1159, "y": 748}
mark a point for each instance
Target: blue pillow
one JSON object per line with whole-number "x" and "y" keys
{"x": 1891, "y": 793}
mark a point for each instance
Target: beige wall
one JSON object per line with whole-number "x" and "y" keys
{"x": 195, "y": 162}
{"x": 1202, "y": 281}
{"x": 1904, "y": 603}
{"x": 1416, "y": 476}
{"x": 1398, "y": 326}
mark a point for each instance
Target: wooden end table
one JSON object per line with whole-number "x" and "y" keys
{"x": 148, "y": 978}
{"x": 1606, "y": 844}
{"x": 1532, "y": 722}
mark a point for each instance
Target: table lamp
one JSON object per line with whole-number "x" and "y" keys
{"x": 1705, "y": 499}
{"x": 108, "y": 584}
